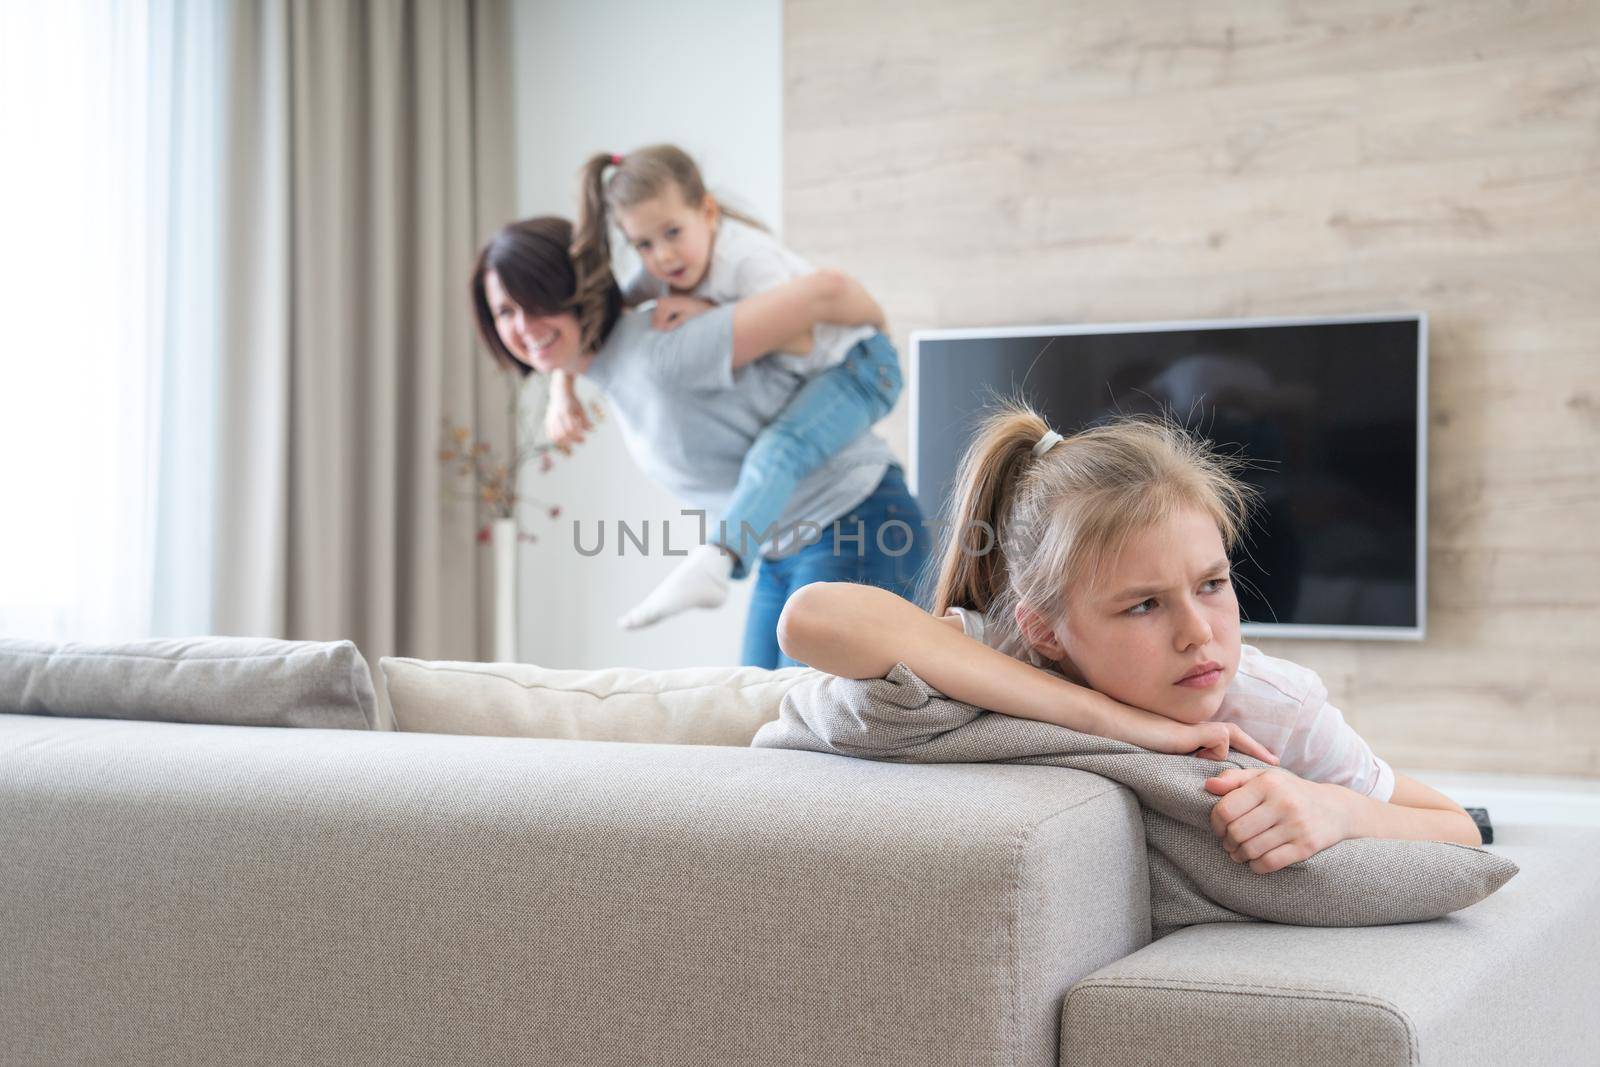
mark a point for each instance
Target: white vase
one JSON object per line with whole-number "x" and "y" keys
{"x": 503, "y": 537}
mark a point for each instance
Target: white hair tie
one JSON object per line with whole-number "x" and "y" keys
{"x": 1046, "y": 443}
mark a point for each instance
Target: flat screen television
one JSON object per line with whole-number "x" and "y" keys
{"x": 1331, "y": 412}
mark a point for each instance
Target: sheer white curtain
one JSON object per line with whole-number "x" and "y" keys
{"x": 109, "y": 115}
{"x": 235, "y": 239}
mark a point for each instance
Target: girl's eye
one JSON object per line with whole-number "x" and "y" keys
{"x": 1146, "y": 607}
{"x": 643, "y": 246}
{"x": 672, "y": 234}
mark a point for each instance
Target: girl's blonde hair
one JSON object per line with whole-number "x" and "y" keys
{"x": 1031, "y": 529}
{"x": 640, "y": 175}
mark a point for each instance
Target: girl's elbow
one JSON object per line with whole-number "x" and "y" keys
{"x": 831, "y": 283}
{"x": 791, "y": 635}
{"x": 800, "y": 622}
{"x": 1469, "y": 834}
{"x": 1463, "y": 827}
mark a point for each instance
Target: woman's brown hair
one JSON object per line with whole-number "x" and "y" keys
{"x": 641, "y": 175}
{"x": 534, "y": 262}
{"x": 1027, "y": 529}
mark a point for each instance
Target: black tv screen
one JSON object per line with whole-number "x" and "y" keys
{"x": 1329, "y": 412}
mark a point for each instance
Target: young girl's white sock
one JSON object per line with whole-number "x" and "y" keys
{"x": 700, "y": 581}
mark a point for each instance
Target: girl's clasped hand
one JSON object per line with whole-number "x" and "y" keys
{"x": 1270, "y": 818}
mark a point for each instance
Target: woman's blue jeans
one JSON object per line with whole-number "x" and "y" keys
{"x": 880, "y": 542}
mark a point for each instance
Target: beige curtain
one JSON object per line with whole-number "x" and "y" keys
{"x": 368, "y": 158}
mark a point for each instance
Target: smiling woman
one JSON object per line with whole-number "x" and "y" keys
{"x": 543, "y": 342}
{"x": 525, "y": 283}
{"x": 694, "y": 400}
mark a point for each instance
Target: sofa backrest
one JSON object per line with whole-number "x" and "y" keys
{"x": 223, "y": 894}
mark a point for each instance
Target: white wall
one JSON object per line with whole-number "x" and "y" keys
{"x": 612, "y": 75}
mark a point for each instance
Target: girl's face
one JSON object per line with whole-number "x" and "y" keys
{"x": 672, "y": 238}
{"x": 543, "y": 342}
{"x": 1165, "y": 608}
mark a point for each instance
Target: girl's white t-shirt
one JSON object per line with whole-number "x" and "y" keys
{"x": 746, "y": 261}
{"x": 1285, "y": 707}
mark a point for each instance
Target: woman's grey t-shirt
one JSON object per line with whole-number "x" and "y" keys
{"x": 688, "y": 419}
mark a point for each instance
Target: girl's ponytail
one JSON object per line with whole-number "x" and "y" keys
{"x": 972, "y": 574}
{"x": 591, "y": 252}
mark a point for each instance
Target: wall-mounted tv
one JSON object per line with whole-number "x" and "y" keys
{"x": 1331, "y": 412}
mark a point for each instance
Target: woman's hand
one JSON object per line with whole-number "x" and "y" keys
{"x": 1270, "y": 818}
{"x": 565, "y": 421}
{"x": 673, "y": 311}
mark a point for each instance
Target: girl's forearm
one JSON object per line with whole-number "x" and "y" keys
{"x": 798, "y": 345}
{"x": 858, "y": 631}
{"x": 1377, "y": 818}
{"x": 845, "y": 301}
{"x": 774, "y": 317}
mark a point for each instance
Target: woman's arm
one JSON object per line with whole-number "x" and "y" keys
{"x": 770, "y": 319}
{"x": 565, "y": 421}
{"x": 860, "y": 631}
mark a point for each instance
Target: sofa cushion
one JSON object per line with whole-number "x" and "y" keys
{"x": 687, "y": 706}
{"x": 1510, "y": 980}
{"x": 229, "y": 681}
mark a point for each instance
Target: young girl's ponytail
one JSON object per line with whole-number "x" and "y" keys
{"x": 972, "y": 574}
{"x": 591, "y": 250}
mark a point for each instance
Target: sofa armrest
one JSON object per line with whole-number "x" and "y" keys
{"x": 1511, "y": 979}
{"x": 326, "y": 896}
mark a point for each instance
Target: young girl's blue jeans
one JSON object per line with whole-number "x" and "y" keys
{"x": 827, "y": 413}
{"x": 880, "y": 542}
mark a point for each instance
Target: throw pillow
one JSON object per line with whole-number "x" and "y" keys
{"x": 685, "y": 706}
{"x": 227, "y": 681}
{"x": 1360, "y": 882}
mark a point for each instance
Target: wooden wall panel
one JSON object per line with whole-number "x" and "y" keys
{"x": 1035, "y": 162}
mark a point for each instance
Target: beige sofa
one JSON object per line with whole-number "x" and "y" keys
{"x": 208, "y": 894}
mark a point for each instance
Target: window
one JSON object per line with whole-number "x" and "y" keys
{"x": 111, "y": 144}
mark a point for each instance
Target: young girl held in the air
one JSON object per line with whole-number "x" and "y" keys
{"x": 1104, "y": 558}
{"x": 696, "y": 253}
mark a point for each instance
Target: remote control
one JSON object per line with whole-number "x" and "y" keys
{"x": 1485, "y": 828}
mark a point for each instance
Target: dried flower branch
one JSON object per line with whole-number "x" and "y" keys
{"x": 493, "y": 478}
